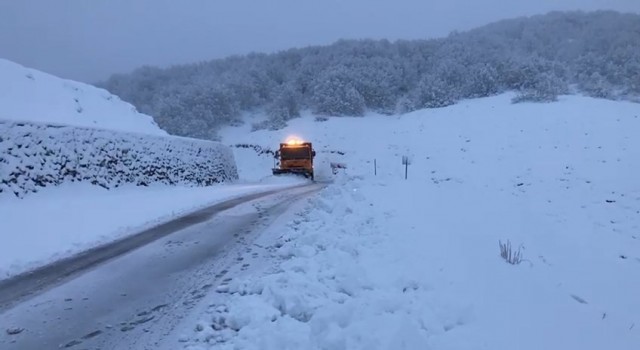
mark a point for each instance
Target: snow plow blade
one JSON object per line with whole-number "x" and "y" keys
{"x": 304, "y": 172}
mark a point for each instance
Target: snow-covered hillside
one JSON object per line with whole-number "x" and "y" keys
{"x": 30, "y": 95}
{"x": 380, "y": 262}
{"x": 59, "y": 137}
{"x": 56, "y": 131}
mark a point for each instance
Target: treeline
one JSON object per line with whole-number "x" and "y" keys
{"x": 595, "y": 53}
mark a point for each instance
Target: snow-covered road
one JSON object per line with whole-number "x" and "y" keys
{"x": 136, "y": 300}
{"x": 66, "y": 220}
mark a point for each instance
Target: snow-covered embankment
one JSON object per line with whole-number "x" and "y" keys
{"x": 380, "y": 262}
{"x": 38, "y": 155}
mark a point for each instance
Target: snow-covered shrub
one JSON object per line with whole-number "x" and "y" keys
{"x": 335, "y": 94}
{"x": 543, "y": 87}
{"x": 404, "y": 105}
{"x": 377, "y": 79}
{"x": 433, "y": 92}
{"x": 268, "y": 124}
{"x": 285, "y": 105}
{"x": 39, "y": 155}
{"x": 257, "y": 148}
{"x": 596, "y": 85}
{"x": 197, "y": 111}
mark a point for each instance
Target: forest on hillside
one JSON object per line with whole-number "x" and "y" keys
{"x": 540, "y": 57}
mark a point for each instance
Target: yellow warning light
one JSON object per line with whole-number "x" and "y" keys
{"x": 294, "y": 141}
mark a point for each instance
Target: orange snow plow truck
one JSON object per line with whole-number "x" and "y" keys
{"x": 295, "y": 157}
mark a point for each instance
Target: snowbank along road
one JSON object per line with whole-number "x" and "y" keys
{"x": 380, "y": 262}
{"x": 137, "y": 298}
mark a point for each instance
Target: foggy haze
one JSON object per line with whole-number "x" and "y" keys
{"x": 90, "y": 40}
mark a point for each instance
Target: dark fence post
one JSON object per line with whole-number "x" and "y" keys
{"x": 406, "y": 162}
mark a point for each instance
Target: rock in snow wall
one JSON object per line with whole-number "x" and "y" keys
{"x": 33, "y": 156}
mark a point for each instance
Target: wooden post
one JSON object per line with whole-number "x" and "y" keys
{"x": 405, "y": 162}
{"x": 375, "y": 168}
{"x": 406, "y": 170}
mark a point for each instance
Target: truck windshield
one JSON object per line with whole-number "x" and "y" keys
{"x": 295, "y": 153}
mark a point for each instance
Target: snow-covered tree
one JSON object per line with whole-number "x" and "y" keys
{"x": 334, "y": 94}
{"x": 432, "y": 92}
{"x": 539, "y": 57}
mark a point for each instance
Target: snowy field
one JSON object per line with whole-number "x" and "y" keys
{"x": 380, "y": 262}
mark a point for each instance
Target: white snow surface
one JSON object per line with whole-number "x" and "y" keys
{"x": 30, "y": 95}
{"x": 380, "y": 262}
{"x": 60, "y": 221}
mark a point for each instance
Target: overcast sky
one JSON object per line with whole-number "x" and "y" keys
{"x": 88, "y": 40}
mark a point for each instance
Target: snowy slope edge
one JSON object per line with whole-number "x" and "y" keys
{"x": 30, "y": 95}
{"x": 35, "y": 155}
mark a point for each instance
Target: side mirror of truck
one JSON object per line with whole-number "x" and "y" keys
{"x": 276, "y": 154}
{"x": 313, "y": 153}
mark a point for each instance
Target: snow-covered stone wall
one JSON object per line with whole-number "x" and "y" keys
{"x": 34, "y": 155}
